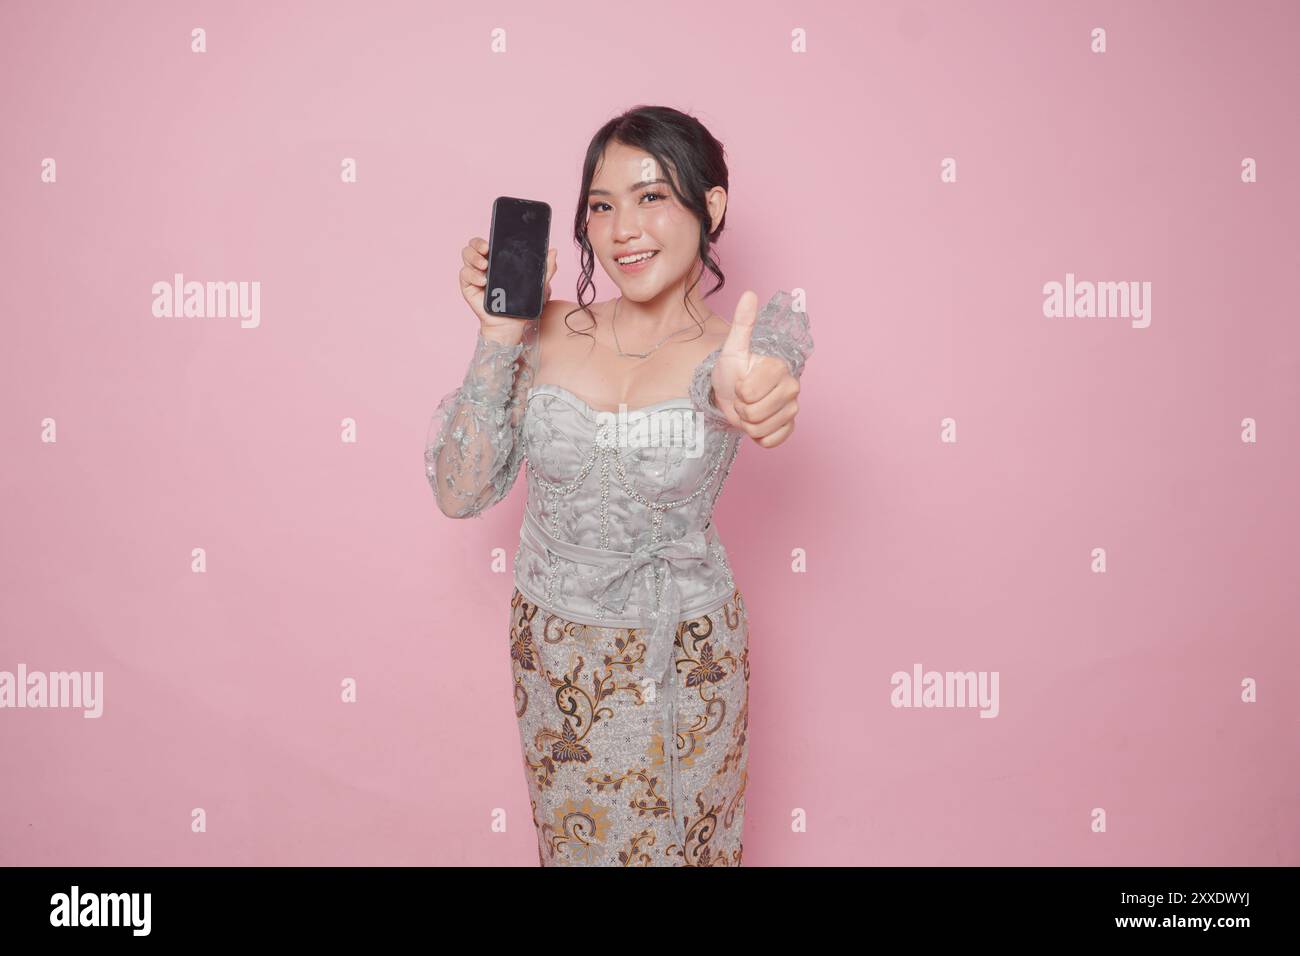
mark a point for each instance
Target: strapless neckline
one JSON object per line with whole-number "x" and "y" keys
{"x": 550, "y": 388}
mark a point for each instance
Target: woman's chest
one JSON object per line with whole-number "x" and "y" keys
{"x": 666, "y": 453}
{"x": 599, "y": 375}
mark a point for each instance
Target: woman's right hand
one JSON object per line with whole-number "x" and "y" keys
{"x": 473, "y": 283}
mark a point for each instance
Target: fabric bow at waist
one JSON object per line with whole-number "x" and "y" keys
{"x": 612, "y": 585}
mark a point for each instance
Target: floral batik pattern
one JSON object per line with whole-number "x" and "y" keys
{"x": 615, "y": 776}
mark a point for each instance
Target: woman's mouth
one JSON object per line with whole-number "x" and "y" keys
{"x": 636, "y": 261}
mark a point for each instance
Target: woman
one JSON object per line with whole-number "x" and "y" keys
{"x": 628, "y": 635}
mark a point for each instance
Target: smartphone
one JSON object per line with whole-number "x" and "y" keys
{"x": 517, "y": 250}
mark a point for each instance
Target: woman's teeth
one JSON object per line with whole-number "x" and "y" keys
{"x": 628, "y": 260}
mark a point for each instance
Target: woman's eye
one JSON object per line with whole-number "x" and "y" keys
{"x": 596, "y": 206}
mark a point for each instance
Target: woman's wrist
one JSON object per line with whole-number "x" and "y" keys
{"x": 504, "y": 336}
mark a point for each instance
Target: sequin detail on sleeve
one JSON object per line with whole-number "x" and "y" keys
{"x": 472, "y": 451}
{"x": 779, "y": 331}
{"x": 782, "y": 332}
{"x": 702, "y": 391}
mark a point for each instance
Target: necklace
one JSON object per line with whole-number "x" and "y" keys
{"x": 613, "y": 324}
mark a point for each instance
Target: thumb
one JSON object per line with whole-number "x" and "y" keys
{"x": 742, "y": 326}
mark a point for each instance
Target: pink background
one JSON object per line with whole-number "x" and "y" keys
{"x": 329, "y": 560}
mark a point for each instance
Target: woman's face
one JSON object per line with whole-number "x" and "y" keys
{"x": 631, "y": 209}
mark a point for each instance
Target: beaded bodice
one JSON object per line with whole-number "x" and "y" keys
{"x": 617, "y": 525}
{"x": 607, "y": 483}
{"x": 658, "y": 476}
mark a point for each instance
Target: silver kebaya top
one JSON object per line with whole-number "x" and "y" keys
{"x": 617, "y": 528}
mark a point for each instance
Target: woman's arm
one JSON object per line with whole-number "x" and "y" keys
{"x": 782, "y": 332}
{"x": 473, "y": 449}
{"x": 779, "y": 332}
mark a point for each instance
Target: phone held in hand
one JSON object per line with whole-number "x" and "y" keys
{"x": 517, "y": 249}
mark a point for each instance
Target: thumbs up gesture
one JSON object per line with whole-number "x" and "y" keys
{"x": 756, "y": 393}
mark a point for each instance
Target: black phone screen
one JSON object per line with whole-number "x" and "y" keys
{"x": 516, "y": 273}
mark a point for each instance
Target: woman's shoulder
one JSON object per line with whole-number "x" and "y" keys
{"x": 562, "y": 319}
{"x": 557, "y": 310}
{"x": 596, "y": 314}
{"x": 716, "y": 328}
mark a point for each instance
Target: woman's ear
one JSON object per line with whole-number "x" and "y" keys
{"x": 716, "y": 200}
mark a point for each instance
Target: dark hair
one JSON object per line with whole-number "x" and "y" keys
{"x": 694, "y": 162}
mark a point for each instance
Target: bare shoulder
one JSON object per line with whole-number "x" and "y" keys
{"x": 559, "y": 327}
{"x": 553, "y": 315}
{"x": 716, "y": 330}
{"x": 554, "y": 331}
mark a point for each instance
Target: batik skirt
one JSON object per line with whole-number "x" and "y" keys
{"x": 622, "y": 771}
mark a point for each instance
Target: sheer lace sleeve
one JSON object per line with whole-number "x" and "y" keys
{"x": 782, "y": 332}
{"x": 473, "y": 450}
{"x": 702, "y": 391}
{"x": 779, "y": 331}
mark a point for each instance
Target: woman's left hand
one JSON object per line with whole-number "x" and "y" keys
{"x": 756, "y": 393}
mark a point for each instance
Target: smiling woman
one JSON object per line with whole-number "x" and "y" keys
{"x": 628, "y": 637}
{"x": 654, "y": 188}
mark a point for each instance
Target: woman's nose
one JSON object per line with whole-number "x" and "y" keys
{"x": 627, "y": 223}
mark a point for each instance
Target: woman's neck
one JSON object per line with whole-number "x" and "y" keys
{"x": 660, "y": 316}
